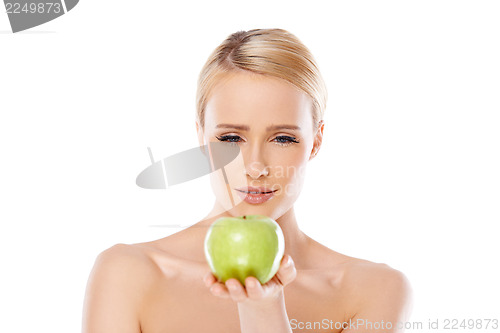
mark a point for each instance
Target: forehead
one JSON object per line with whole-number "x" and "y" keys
{"x": 259, "y": 100}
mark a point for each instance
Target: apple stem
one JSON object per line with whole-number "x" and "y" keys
{"x": 244, "y": 216}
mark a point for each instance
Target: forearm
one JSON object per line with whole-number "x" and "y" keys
{"x": 263, "y": 317}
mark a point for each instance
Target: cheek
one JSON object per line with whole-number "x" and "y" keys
{"x": 290, "y": 174}
{"x": 221, "y": 190}
{"x": 225, "y": 180}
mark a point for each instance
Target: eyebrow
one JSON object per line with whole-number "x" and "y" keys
{"x": 269, "y": 128}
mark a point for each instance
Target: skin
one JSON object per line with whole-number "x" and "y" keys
{"x": 166, "y": 285}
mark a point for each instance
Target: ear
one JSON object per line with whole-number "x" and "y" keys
{"x": 318, "y": 140}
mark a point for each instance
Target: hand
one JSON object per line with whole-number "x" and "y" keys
{"x": 253, "y": 290}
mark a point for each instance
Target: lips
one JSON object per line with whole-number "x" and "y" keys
{"x": 255, "y": 195}
{"x": 255, "y": 190}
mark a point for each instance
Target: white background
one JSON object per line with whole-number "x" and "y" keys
{"x": 407, "y": 175}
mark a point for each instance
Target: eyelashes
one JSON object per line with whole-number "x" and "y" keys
{"x": 229, "y": 138}
{"x": 282, "y": 140}
{"x": 285, "y": 139}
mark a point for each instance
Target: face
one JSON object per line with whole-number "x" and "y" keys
{"x": 271, "y": 122}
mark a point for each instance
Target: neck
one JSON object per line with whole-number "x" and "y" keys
{"x": 295, "y": 239}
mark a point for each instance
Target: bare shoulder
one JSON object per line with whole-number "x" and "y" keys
{"x": 120, "y": 280}
{"x": 126, "y": 258}
{"x": 359, "y": 277}
{"x": 360, "y": 273}
{"x": 378, "y": 290}
{"x": 364, "y": 272}
{"x": 372, "y": 291}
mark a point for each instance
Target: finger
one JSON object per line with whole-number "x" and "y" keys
{"x": 236, "y": 290}
{"x": 254, "y": 288}
{"x": 286, "y": 272}
{"x": 220, "y": 290}
{"x": 209, "y": 279}
{"x": 271, "y": 287}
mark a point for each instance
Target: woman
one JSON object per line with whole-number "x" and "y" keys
{"x": 260, "y": 90}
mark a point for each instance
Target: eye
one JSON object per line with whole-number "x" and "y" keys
{"x": 285, "y": 140}
{"x": 282, "y": 140}
{"x": 229, "y": 138}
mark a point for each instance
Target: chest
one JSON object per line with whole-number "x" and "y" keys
{"x": 313, "y": 305}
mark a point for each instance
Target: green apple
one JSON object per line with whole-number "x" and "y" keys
{"x": 249, "y": 245}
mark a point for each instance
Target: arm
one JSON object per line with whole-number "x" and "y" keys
{"x": 268, "y": 316}
{"x": 386, "y": 302}
{"x": 113, "y": 295}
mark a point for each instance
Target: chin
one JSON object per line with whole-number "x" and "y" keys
{"x": 249, "y": 209}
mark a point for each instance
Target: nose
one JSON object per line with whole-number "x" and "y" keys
{"x": 256, "y": 170}
{"x": 256, "y": 165}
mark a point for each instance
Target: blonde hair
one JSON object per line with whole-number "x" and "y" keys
{"x": 273, "y": 52}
